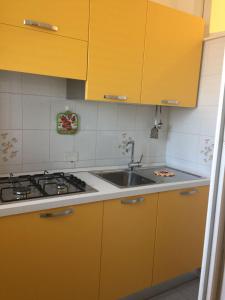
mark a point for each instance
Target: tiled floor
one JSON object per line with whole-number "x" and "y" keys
{"x": 187, "y": 291}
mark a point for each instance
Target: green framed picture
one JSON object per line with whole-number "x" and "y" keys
{"x": 67, "y": 122}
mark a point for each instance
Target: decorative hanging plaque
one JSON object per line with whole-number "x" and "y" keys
{"x": 67, "y": 122}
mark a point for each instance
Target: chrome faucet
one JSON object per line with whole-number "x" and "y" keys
{"x": 132, "y": 164}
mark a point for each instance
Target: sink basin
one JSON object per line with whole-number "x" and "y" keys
{"x": 124, "y": 178}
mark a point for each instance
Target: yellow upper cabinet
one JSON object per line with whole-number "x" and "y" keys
{"x": 116, "y": 45}
{"x": 36, "y": 52}
{"x": 172, "y": 58}
{"x": 217, "y": 21}
{"x": 69, "y": 16}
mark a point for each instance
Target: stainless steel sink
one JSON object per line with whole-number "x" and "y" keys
{"x": 124, "y": 178}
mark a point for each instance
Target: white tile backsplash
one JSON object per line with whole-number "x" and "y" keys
{"x": 208, "y": 116}
{"x": 107, "y": 145}
{"x": 85, "y": 144}
{"x": 60, "y": 146}
{"x": 107, "y": 116}
{"x": 11, "y": 111}
{"x": 111, "y": 162}
{"x": 209, "y": 90}
{"x": 29, "y": 105}
{"x": 184, "y": 120}
{"x": 88, "y": 114}
{"x": 14, "y": 168}
{"x": 36, "y": 112}
{"x": 127, "y": 116}
{"x": 183, "y": 146}
{"x": 213, "y": 57}
{"x": 156, "y": 148}
{"x": 143, "y": 121}
{"x": 43, "y": 85}
{"x": 35, "y": 146}
{"x": 10, "y": 82}
{"x": 35, "y": 167}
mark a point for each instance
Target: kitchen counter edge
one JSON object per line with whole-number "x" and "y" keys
{"x": 106, "y": 191}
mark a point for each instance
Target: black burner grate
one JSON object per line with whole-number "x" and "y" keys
{"x": 40, "y": 185}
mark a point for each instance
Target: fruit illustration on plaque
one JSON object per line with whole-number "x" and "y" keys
{"x": 67, "y": 122}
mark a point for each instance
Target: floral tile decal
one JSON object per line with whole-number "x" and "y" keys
{"x": 207, "y": 147}
{"x": 123, "y": 144}
{"x": 10, "y": 146}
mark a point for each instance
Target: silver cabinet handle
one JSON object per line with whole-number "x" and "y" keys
{"x": 57, "y": 214}
{"x": 115, "y": 97}
{"x": 189, "y": 193}
{"x": 133, "y": 201}
{"x": 40, "y": 24}
{"x": 174, "y": 102}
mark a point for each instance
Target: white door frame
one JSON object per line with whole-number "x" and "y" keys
{"x": 215, "y": 224}
{"x": 206, "y": 14}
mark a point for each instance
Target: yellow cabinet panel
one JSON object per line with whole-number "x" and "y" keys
{"x": 51, "y": 258}
{"x": 70, "y": 16}
{"x": 217, "y": 21}
{"x": 127, "y": 246}
{"x": 116, "y": 46}
{"x": 172, "y": 57}
{"x": 180, "y": 232}
{"x": 36, "y": 52}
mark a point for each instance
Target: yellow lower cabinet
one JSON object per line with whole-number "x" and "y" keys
{"x": 53, "y": 254}
{"x": 180, "y": 232}
{"x": 127, "y": 247}
{"x": 31, "y": 51}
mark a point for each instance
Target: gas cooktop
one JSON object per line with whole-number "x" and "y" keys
{"x": 27, "y": 187}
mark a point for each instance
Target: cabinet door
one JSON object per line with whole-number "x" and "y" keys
{"x": 116, "y": 46}
{"x": 70, "y": 16}
{"x": 172, "y": 57}
{"x": 127, "y": 246}
{"x": 51, "y": 257}
{"x": 36, "y": 52}
{"x": 180, "y": 233}
{"x": 217, "y": 23}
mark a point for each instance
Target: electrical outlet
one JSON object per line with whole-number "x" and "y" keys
{"x": 71, "y": 156}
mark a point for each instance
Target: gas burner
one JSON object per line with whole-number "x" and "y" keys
{"x": 62, "y": 186}
{"x": 21, "y": 192}
{"x": 46, "y": 184}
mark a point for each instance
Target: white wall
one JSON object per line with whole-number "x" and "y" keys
{"x": 28, "y": 137}
{"x": 194, "y": 7}
{"x": 191, "y": 131}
